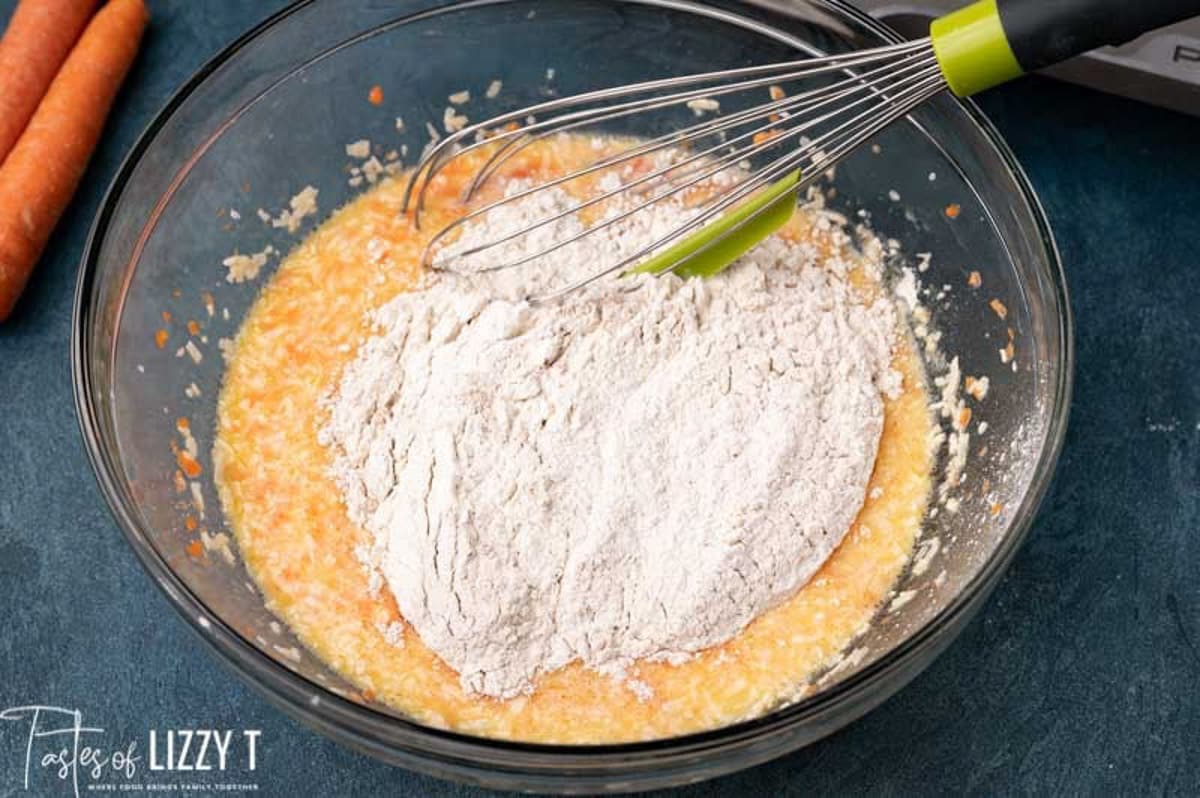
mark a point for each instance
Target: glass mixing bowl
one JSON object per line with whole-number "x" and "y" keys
{"x": 274, "y": 112}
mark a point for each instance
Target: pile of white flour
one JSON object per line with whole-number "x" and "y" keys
{"x": 637, "y": 471}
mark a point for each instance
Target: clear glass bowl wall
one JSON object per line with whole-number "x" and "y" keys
{"x": 273, "y": 114}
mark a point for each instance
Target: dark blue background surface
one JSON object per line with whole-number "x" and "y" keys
{"x": 1080, "y": 674}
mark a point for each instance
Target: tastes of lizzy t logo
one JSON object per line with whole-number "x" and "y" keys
{"x": 56, "y": 747}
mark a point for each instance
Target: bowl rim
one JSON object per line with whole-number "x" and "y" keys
{"x": 460, "y": 755}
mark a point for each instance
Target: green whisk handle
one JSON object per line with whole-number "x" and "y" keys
{"x": 992, "y": 41}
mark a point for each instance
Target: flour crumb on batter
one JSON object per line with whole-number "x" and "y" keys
{"x": 243, "y": 268}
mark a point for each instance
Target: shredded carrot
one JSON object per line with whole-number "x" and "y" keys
{"x": 195, "y": 550}
{"x": 188, "y": 464}
{"x": 375, "y": 96}
{"x": 953, "y": 210}
{"x": 998, "y": 307}
{"x": 44, "y": 167}
{"x": 160, "y": 338}
{"x": 190, "y": 524}
{"x": 193, "y": 328}
{"x": 182, "y": 424}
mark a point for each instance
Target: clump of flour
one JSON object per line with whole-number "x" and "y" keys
{"x": 634, "y": 472}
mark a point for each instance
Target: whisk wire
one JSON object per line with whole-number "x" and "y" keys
{"x": 779, "y": 72}
{"x": 810, "y": 100}
{"x": 810, "y": 132}
{"x": 786, "y": 105}
{"x": 774, "y": 172}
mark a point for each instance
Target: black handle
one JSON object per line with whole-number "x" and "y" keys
{"x": 1044, "y": 32}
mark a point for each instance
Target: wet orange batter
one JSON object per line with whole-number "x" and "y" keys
{"x": 298, "y": 542}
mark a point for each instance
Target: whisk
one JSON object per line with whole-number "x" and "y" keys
{"x": 774, "y": 148}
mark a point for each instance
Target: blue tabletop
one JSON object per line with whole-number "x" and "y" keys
{"x": 1080, "y": 675}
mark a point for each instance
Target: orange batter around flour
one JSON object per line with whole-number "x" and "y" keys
{"x": 298, "y": 543}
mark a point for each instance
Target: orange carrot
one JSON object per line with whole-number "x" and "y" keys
{"x": 38, "y": 38}
{"x": 41, "y": 173}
